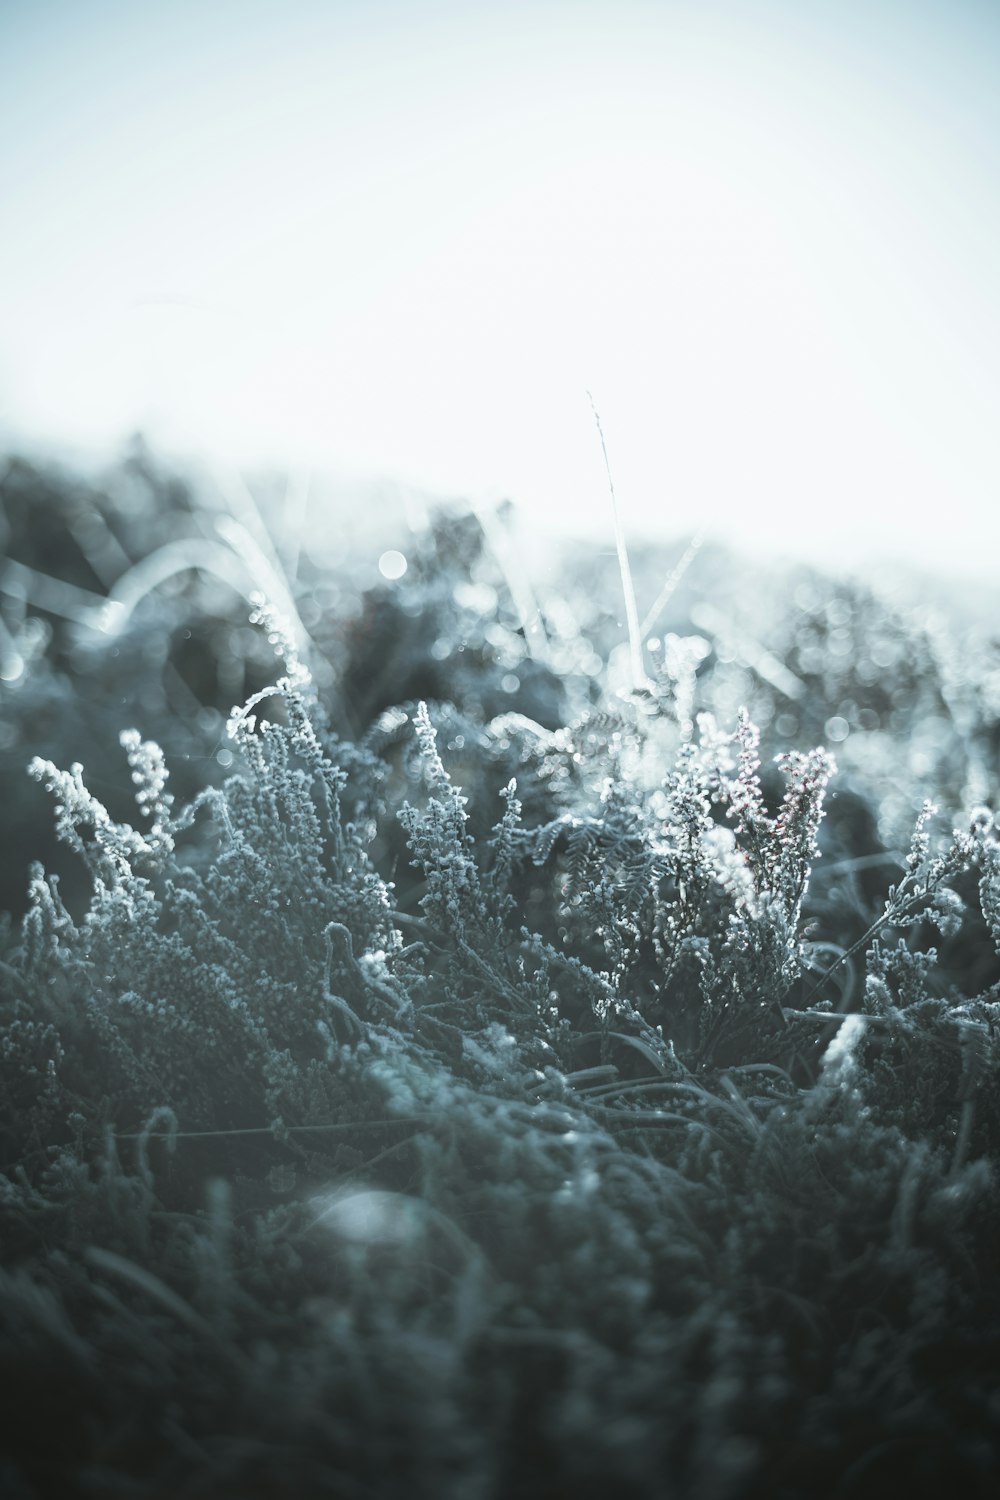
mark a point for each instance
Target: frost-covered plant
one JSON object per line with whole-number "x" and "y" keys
{"x": 472, "y": 1108}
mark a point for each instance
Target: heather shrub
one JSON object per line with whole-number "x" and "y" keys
{"x": 451, "y": 1099}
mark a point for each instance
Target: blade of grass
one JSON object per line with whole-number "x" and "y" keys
{"x": 672, "y": 580}
{"x": 518, "y": 582}
{"x": 628, "y": 588}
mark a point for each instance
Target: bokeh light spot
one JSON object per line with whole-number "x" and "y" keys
{"x": 392, "y": 564}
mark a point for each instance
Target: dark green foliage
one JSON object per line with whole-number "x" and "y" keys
{"x": 487, "y": 1104}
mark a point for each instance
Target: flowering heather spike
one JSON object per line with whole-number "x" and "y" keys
{"x": 989, "y": 889}
{"x": 746, "y": 799}
{"x": 797, "y": 824}
{"x": 149, "y": 777}
{"x": 503, "y": 839}
{"x": 280, "y": 635}
{"x": 920, "y": 843}
{"x": 112, "y": 847}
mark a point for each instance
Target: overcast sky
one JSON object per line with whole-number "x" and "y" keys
{"x": 406, "y": 238}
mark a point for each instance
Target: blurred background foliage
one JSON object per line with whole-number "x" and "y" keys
{"x": 124, "y": 602}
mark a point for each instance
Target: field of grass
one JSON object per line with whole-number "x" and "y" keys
{"x": 452, "y": 1045}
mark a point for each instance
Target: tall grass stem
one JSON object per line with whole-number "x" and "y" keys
{"x": 628, "y": 588}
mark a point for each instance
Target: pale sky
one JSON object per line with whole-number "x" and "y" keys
{"x": 405, "y": 239}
